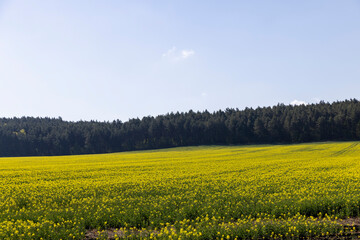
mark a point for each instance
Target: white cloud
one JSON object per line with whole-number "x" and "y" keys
{"x": 174, "y": 54}
{"x": 187, "y": 53}
{"x": 204, "y": 94}
{"x": 297, "y": 102}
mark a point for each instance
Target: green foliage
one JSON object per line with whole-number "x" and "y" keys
{"x": 338, "y": 121}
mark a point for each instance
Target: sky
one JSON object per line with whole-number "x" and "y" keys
{"x": 106, "y": 60}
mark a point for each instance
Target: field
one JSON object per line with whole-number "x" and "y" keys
{"x": 216, "y": 192}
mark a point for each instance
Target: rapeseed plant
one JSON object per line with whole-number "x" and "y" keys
{"x": 242, "y": 192}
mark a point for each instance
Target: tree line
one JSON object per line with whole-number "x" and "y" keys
{"x": 29, "y": 136}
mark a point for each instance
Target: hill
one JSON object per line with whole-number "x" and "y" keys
{"x": 30, "y": 136}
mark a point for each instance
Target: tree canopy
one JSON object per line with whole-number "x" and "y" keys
{"x": 29, "y": 136}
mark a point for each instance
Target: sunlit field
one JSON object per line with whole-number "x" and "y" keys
{"x": 216, "y": 192}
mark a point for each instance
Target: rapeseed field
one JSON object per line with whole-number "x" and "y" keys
{"x": 212, "y": 192}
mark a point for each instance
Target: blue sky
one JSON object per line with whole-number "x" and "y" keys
{"x": 105, "y": 60}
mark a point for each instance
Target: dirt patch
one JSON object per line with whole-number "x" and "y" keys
{"x": 350, "y": 222}
{"x": 111, "y": 233}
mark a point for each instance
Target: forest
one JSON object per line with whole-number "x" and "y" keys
{"x": 280, "y": 124}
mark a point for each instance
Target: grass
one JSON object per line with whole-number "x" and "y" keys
{"x": 213, "y": 192}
